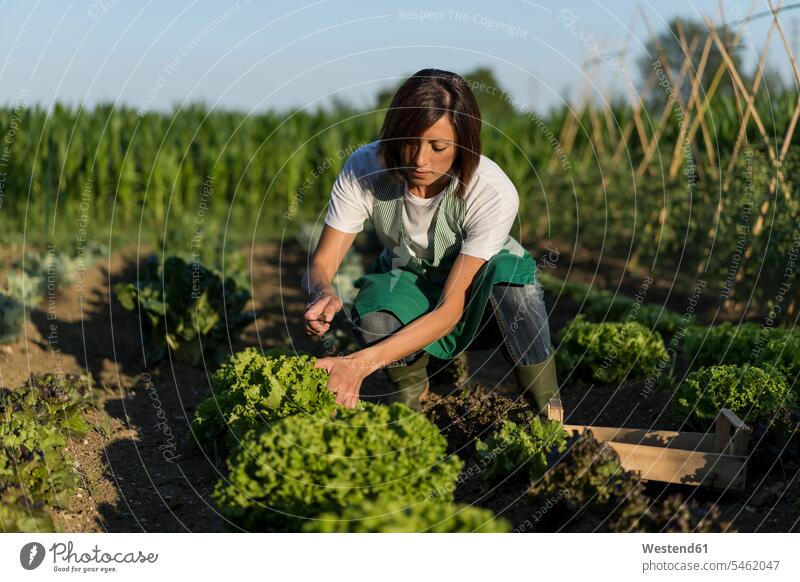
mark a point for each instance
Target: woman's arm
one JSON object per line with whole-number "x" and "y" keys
{"x": 433, "y": 325}
{"x": 323, "y": 301}
{"x": 348, "y": 372}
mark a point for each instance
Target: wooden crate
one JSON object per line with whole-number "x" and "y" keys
{"x": 717, "y": 459}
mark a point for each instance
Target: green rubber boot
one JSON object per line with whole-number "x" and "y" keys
{"x": 538, "y": 383}
{"x": 410, "y": 382}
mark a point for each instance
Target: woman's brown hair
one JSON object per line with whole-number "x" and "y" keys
{"x": 419, "y": 103}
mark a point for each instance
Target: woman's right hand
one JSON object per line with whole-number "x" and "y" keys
{"x": 320, "y": 311}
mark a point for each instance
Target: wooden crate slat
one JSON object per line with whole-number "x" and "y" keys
{"x": 555, "y": 410}
{"x": 715, "y": 459}
{"x": 724, "y": 441}
{"x": 685, "y": 467}
{"x": 692, "y": 441}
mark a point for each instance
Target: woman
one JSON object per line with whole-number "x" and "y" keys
{"x": 450, "y": 275}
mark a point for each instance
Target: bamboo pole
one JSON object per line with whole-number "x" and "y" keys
{"x": 622, "y": 143}
{"x": 778, "y": 177}
{"x": 662, "y": 52}
{"x": 740, "y": 138}
{"x": 746, "y": 117}
{"x": 631, "y": 122}
{"x": 607, "y": 116}
{"x": 660, "y": 217}
{"x": 747, "y": 96}
{"x": 667, "y": 109}
{"x": 596, "y": 137}
{"x": 741, "y": 135}
{"x": 712, "y": 89}
{"x": 749, "y": 100}
{"x": 793, "y": 124}
{"x": 637, "y": 117}
{"x": 770, "y": 150}
{"x": 697, "y": 81}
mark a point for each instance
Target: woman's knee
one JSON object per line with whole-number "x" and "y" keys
{"x": 519, "y": 303}
{"x": 377, "y": 325}
{"x": 523, "y": 321}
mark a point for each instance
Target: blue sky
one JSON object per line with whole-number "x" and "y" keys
{"x": 256, "y": 55}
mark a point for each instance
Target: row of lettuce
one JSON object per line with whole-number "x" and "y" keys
{"x": 40, "y": 419}
{"x": 749, "y": 368}
{"x": 296, "y": 461}
{"x": 746, "y": 367}
{"x": 196, "y": 313}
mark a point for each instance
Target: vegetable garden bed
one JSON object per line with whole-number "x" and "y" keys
{"x": 126, "y": 483}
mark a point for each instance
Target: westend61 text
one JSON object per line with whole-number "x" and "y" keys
{"x": 674, "y": 549}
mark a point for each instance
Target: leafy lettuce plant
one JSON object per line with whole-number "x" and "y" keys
{"x": 306, "y": 465}
{"x": 50, "y": 269}
{"x": 399, "y": 517}
{"x": 36, "y": 470}
{"x": 609, "y": 352}
{"x": 251, "y": 389}
{"x": 520, "y": 450}
{"x": 769, "y": 348}
{"x": 749, "y": 391}
{"x": 185, "y": 308}
{"x": 587, "y": 480}
{"x": 466, "y": 416}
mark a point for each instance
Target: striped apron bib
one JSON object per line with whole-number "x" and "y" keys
{"x": 409, "y": 286}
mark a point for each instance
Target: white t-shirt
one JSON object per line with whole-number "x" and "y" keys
{"x": 491, "y": 199}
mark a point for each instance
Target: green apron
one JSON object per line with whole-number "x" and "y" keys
{"x": 410, "y": 287}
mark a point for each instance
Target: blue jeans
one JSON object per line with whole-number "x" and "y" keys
{"x": 515, "y": 319}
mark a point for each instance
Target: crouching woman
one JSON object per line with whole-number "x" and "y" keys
{"x": 450, "y": 276}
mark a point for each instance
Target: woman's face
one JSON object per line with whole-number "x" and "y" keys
{"x": 436, "y": 154}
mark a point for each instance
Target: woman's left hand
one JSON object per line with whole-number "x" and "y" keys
{"x": 346, "y": 374}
